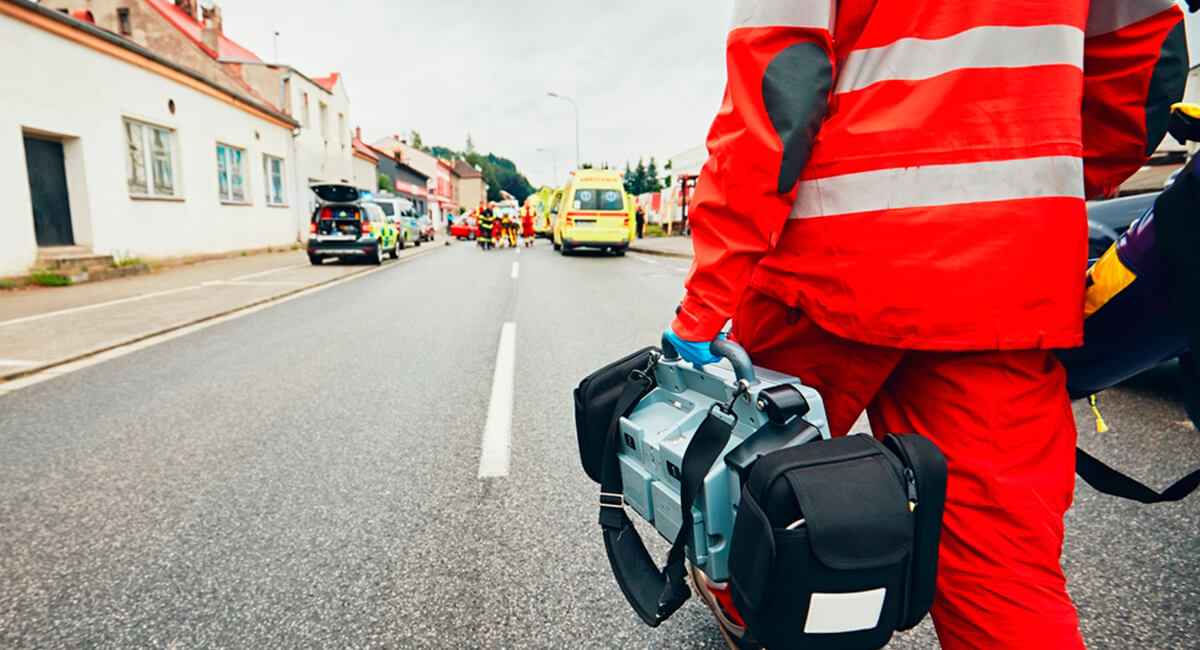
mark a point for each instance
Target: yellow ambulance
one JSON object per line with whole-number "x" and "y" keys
{"x": 593, "y": 213}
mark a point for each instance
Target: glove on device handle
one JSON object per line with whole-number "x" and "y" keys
{"x": 743, "y": 368}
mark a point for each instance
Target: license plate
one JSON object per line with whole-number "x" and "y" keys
{"x": 337, "y": 238}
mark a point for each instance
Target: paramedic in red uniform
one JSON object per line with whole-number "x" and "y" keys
{"x": 893, "y": 210}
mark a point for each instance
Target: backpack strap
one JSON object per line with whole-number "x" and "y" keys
{"x": 1113, "y": 483}
{"x": 654, "y": 593}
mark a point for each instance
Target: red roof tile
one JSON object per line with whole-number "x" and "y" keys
{"x": 328, "y": 82}
{"x": 192, "y": 28}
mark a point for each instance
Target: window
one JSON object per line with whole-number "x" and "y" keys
{"x": 388, "y": 208}
{"x": 612, "y": 200}
{"x": 149, "y": 160}
{"x": 304, "y": 115}
{"x": 231, "y": 176}
{"x": 123, "y": 25}
{"x": 273, "y": 179}
{"x": 585, "y": 199}
{"x": 341, "y": 130}
{"x": 324, "y": 117}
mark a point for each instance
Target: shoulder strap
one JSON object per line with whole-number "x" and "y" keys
{"x": 1111, "y": 482}
{"x": 655, "y": 594}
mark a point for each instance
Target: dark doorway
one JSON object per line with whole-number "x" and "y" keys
{"x": 48, "y": 189}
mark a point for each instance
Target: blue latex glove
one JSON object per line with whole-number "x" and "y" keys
{"x": 695, "y": 352}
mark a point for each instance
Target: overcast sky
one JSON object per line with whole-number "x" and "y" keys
{"x": 648, "y": 76}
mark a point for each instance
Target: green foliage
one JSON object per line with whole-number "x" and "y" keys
{"x": 385, "y": 183}
{"x": 415, "y": 139}
{"x": 44, "y": 278}
{"x": 444, "y": 153}
{"x": 651, "y": 182}
{"x": 586, "y": 166}
{"x": 8, "y": 284}
{"x": 643, "y": 178}
{"x": 654, "y": 230}
{"x": 499, "y": 172}
{"x": 470, "y": 144}
{"x": 127, "y": 261}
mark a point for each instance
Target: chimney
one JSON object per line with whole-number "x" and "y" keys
{"x": 358, "y": 133}
{"x": 212, "y": 27}
{"x": 188, "y": 7}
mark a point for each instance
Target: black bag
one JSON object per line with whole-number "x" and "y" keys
{"x": 835, "y": 543}
{"x": 603, "y": 397}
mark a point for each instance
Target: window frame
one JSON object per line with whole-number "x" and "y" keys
{"x": 147, "y": 160}
{"x": 246, "y": 189}
{"x": 124, "y": 22}
{"x": 268, "y": 184}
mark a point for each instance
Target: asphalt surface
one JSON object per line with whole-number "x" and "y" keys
{"x": 306, "y": 476}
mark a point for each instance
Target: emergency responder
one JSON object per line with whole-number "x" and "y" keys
{"x": 893, "y": 210}
{"x": 486, "y": 223}
{"x": 511, "y": 226}
{"x": 527, "y": 232}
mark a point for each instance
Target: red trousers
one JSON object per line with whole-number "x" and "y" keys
{"x": 1004, "y": 422}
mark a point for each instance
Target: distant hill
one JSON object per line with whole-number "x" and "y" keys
{"x": 499, "y": 172}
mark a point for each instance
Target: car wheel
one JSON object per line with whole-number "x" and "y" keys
{"x": 418, "y": 242}
{"x": 315, "y": 260}
{"x": 400, "y": 243}
{"x": 395, "y": 252}
{"x": 620, "y": 252}
{"x": 378, "y": 258}
{"x": 566, "y": 250}
{"x": 557, "y": 247}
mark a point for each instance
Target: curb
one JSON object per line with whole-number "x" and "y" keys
{"x": 108, "y": 347}
{"x": 660, "y": 253}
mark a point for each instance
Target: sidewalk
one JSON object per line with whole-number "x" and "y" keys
{"x": 46, "y": 327}
{"x": 667, "y": 246}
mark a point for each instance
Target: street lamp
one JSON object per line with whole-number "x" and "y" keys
{"x": 576, "y": 107}
{"x": 553, "y": 163}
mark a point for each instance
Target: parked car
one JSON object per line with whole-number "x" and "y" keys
{"x": 465, "y": 228}
{"x": 428, "y": 232}
{"x": 1108, "y": 220}
{"x": 400, "y": 212}
{"x": 346, "y": 227}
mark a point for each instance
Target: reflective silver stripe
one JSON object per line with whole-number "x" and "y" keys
{"x": 911, "y": 59}
{"x": 940, "y": 185}
{"x": 1107, "y": 16}
{"x": 818, "y": 14}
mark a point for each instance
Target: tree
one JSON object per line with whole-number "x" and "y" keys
{"x": 385, "y": 183}
{"x": 416, "y": 141}
{"x": 639, "y": 178}
{"x": 586, "y": 166}
{"x": 470, "y": 144}
{"x": 651, "y": 183}
{"x": 629, "y": 188}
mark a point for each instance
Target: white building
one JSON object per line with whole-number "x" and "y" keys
{"x": 130, "y": 153}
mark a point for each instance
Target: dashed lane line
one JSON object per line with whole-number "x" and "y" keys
{"x": 496, "y": 446}
{"x": 516, "y": 269}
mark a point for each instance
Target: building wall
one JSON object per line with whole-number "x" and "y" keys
{"x": 470, "y": 192}
{"x": 321, "y": 156}
{"x": 105, "y": 216}
{"x": 365, "y": 176}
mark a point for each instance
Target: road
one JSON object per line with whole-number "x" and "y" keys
{"x": 308, "y": 476}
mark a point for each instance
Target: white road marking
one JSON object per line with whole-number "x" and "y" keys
{"x": 99, "y": 305}
{"x": 232, "y": 283}
{"x": 647, "y": 260}
{"x": 262, "y": 273}
{"x": 17, "y": 362}
{"x": 496, "y": 448}
{"x": 516, "y": 270}
{"x": 109, "y": 355}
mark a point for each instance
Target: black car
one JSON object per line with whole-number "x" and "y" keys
{"x": 1108, "y": 220}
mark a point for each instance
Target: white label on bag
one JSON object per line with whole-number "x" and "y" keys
{"x": 850, "y": 612}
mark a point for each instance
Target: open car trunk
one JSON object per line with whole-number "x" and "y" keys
{"x": 336, "y": 192}
{"x": 339, "y": 220}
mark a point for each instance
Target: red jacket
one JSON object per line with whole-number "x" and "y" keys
{"x": 912, "y": 173}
